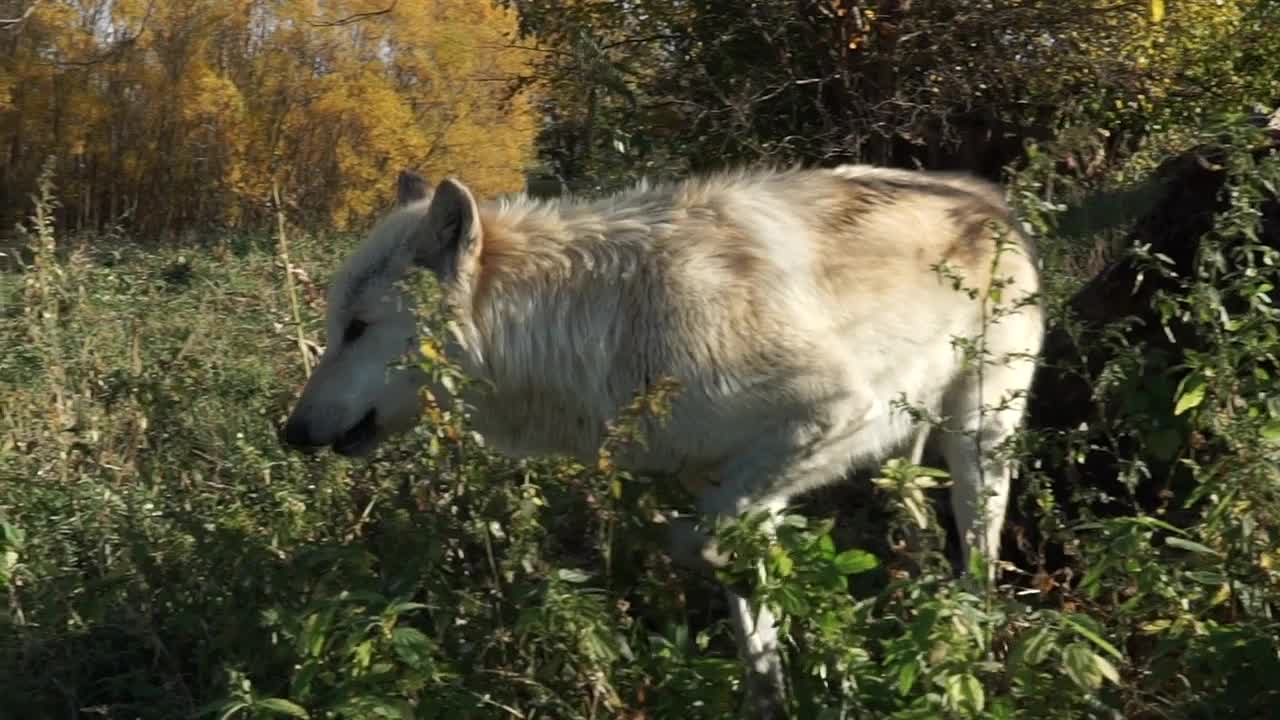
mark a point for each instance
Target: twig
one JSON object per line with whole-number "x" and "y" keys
{"x": 109, "y": 54}
{"x": 14, "y": 22}
{"x": 490, "y": 701}
{"x": 357, "y": 17}
{"x": 493, "y": 562}
{"x": 288, "y": 280}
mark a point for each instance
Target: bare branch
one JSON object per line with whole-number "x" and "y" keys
{"x": 7, "y": 23}
{"x": 351, "y": 19}
{"x": 641, "y": 40}
{"x": 514, "y": 46}
{"x": 112, "y": 52}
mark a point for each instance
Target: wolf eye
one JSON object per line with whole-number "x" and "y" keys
{"x": 354, "y": 330}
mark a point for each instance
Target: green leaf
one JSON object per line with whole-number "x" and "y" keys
{"x": 304, "y": 677}
{"x": 411, "y": 646}
{"x": 573, "y": 576}
{"x": 852, "y": 562}
{"x": 401, "y": 607}
{"x": 1036, "y": 647}
{"x": 1079, "y": 627}
{"x": 230, "y": 709}
{"x": 1190, "y": 545}
{"x": 1144, "y": 520}
{"x": 1001, "y": 710}
{"x": 1107, "y": 670}
{"x": 907, "y": 677}
{"x": 1078, "y": 661}
{"x": 598, "y": 645}
{"x": 1271, "y": 432}
{"x": 1207, "y": 577}
{"x": 915, "y": 506}
{"x": 792, "y": 601}
{"x": 624, "y": 647}
{"x": 795, "y": 521}
{"x": 1191, "y": 393}
{"x": 312, "y": 639}
{"x": 922, "y": 626}
{"x": 8, "y": 562}
{"x": 13, "y": 535}
{"x": 363, "y": 654}
{"x": 827, "y": 546}
{"x": 964, "y": 691}
{"x": 366, "y": 707}
{"x": 782, "y": 562}
{"x": 283, "y": 707}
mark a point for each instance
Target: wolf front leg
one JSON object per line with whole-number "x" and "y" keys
{"x": 757, "y": 635}
{"x": 755, "y": 628}
{"x": 785, "y": 457}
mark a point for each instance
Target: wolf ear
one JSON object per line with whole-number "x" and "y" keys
{"x": 450, "y": 231}
{"x": 411, "y": 187}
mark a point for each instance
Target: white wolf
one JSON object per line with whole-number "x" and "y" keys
{"x": 794, "y": 308}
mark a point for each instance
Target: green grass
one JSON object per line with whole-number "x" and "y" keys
{"x": 163, "y": 557}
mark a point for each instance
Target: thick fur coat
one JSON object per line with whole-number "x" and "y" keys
{"x": 794, "y": 308}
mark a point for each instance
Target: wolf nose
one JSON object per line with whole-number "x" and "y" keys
{"x": 296, "y": 434}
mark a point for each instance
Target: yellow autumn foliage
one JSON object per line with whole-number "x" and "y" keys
{"x": 181, "y": 113}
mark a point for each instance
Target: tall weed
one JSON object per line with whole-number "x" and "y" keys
{"x": 163, "y": 557}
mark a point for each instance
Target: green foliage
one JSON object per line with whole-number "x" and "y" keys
{"x": 162, "y": 556}
{"x": 658, "y": 86}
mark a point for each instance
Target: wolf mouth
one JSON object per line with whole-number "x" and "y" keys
{"x": 360, "y": 438}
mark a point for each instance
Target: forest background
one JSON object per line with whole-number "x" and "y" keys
{"x": 179, "y": 177}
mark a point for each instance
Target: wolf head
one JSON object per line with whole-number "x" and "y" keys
{"x": 357, "y": 397}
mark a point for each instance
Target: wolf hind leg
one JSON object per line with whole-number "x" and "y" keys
{"x": 982, "y": 411}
